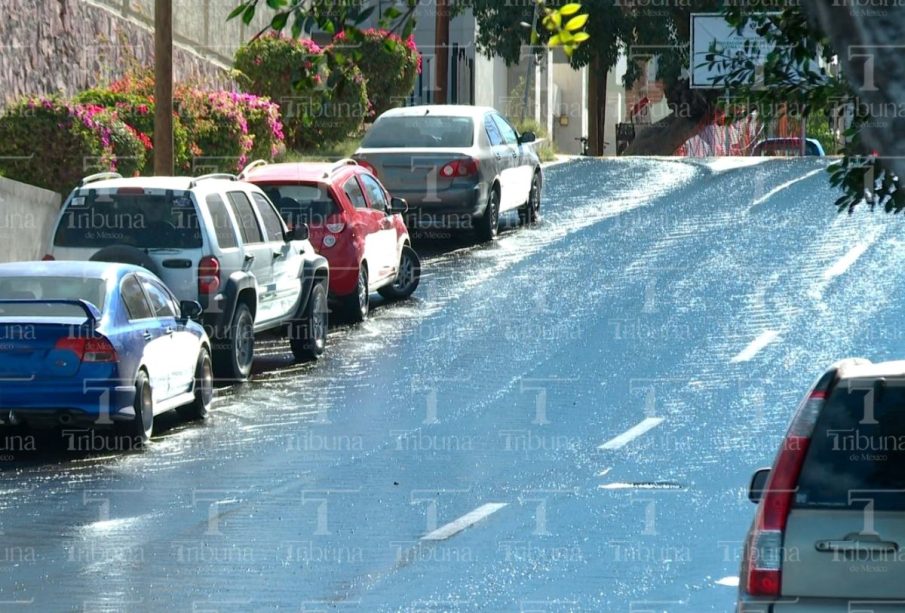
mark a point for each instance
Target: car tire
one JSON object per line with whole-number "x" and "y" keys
{"x": 140, "y": 429}
{"x": 357, "y": 305}
{"x": 124, "y": 254}
{"x": 407, "y": 279}
{"x": 237, "y": 353}
{"x": 530, "y": 212}
{"x": 308, "y": 336}
{"x": 489, "y": 223}
{"x": 199, "y": 409}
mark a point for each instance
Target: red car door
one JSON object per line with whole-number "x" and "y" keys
{"x": 366, "y": 227}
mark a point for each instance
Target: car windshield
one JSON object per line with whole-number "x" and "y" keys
{"x": 308, "y": 203}
{"x": 50, "y": 288}
{"x": 421, "y": 132}
{"x": 138, "y": 220}
{"x": 858, "y": 445}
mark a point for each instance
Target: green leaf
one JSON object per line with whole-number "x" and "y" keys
{"x": 580, "y": 37}
{"x": 554, "y": 41}
{"x": 279, "y": 21}
{"x": 237, "y": 11}
{"x": 577, "y": 23}
{"x": 249, "y": 14}
{"x": 276, "y": 4}
{"x": 570, "y": 9}
{"x": 364, "y": 15}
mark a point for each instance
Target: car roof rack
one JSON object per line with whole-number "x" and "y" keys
{"x": 215, "y": 175}
{"x": 101, "y": 176}
{"x": 339, "y": 165}
{"x": 252, "y": 166}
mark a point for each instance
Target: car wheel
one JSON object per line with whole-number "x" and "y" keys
{"x": 530, "y": 213}
{"x": 358, "y": 304}
{"x": 140, "y": 429}
{"x": 407, "y": 279}
{"x": 204, "y": 390}
{"x": 235, "y": 358}
{"x": 489, "y": 223}
{"x": 308, "y": 337}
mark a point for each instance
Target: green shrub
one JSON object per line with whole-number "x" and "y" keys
{"x": 51, "y": 143}
{"x": 322, "y": 97}
{"x": 217, "y": 129}
{"x": 137, "y": 110}
{"x": 390, "y": 65}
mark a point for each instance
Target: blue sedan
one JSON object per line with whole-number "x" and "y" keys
{"x": 94, "y": 344}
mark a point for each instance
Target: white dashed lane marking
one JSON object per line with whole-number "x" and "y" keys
{"x": 755, "y": 346}
{"x": 632, "y": 433}
{"x": 469, "y": 519}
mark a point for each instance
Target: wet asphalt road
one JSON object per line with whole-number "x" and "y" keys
{"x": 596, "y": 391}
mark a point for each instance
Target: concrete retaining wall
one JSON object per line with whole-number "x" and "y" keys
{"x": 64, "y": 46}
{"x": 27, "y": 215}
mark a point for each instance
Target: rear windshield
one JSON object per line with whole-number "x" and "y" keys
{"x": 309, "y": 204}
{"x": 785, "y": 148}
{"x": 428, "y": 131}
{"x": 50, "y": 288}
{"x": 857, "y": 452}
{"x": 137, "y": 220}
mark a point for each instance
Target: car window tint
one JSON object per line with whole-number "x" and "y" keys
{"x": 223, "y": 224}
{"x": 858, "y": 445}
{"x": 356, "y": 196}
{"x": 273, "y": 225}
{"x": 51, "y": 288}
{"x": 493, "y": 132}
{"x": 421, "y": 131}
{"x": 160, "y": 300}
{"x": 506, "y": 130}
{"x": 245, "y": 214}
{"x": 134, "y": 299}
{"x": 142, "y": 220}
{"x": 310, "y": 204}
{"x": 375, "y": 193}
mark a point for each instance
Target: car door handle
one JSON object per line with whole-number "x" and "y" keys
{"x": 147, "y": 336}
{"x": 856, "y": 546}
{"x": 250, "y": 257}
{"x": 170, "y": 330}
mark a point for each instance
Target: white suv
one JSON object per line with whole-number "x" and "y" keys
{"x": 213, "y": 239}
{"x": 829, "y": 532}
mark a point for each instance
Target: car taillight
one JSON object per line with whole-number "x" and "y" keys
{"x": 208, "y": 276}
{"x": 460, "y": 168}
{"x": 48, "y": 258}
{"x": 96, "y": 349}
{"x": 765, "y": 554}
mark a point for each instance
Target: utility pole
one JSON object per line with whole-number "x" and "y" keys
{"x": 163, "y": 88}
{"x": 441, "y": 52}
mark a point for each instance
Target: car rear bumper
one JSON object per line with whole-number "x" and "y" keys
{"x": 46, "y": 404}
{"x": 789, "y": 604}
{"x": 455, "y": 207}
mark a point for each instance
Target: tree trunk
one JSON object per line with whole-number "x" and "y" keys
{"x": 665, "y": 136}
{"x": 870, "y": 51}
{"x": 163, "y": 88}
{"x": 692, "y": 110}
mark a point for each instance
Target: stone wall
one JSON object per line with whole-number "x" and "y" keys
{"x": 27, "y": 215}
{"x": 63, "y": 46}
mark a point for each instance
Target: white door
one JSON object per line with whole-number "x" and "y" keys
{"x": 165, "y": 357}
{"x": 517, "y": 184}
{"x": 385, "y": 236}
{"x": 258, "y": 255}
{"x": 285, "y": 257}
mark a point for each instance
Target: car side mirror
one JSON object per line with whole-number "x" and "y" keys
{"x": 398, "y": 206}
{"x": 527, "y": 137}
{"x": 190, "y": 309}
{"x": 299, "y": 232}
{"x": 758, "y": 483}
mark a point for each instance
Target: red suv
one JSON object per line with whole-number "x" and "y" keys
{"x": 353, "y": 222}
